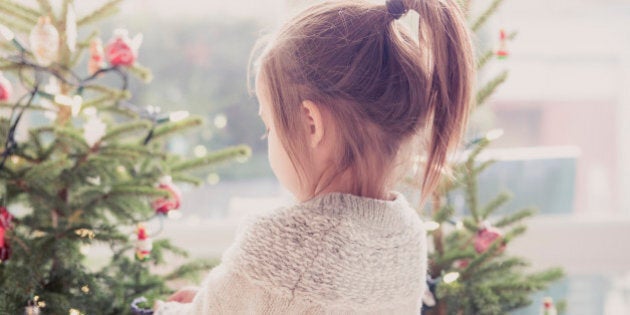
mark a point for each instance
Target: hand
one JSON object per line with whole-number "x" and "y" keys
{"x": 185, "y": 295}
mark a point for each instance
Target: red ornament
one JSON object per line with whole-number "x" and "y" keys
{"x": 485, "y": 237}
{"x": 548, "y": 307}
{"x": 461, "y": 263}
{"x": 502, "y": 53}
{"x": 164, "y": 205}
{"x": 97, "y": 56}
{"x": 6, "y": 89}
{"x": 121, "y": 50}
{"x": 5, "y": 224}
{"x": 144, "y": 244}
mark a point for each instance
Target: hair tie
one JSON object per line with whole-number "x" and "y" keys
{"x": 396, "y": 8}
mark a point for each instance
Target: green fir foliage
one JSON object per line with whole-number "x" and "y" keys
{"x": 67, "y": 192}
{"x": 490, "y": 281}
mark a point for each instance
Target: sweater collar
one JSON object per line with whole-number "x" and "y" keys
{"x": 378, "y": 211}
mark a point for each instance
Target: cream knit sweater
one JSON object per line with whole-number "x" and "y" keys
{"x": 334, "y": 254}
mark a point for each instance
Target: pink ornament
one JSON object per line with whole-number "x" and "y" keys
{"x": 485, "y": 237}
{"x": 97, "y": 56}
{"x": 6, "y": 89}
{"x": 121, "y": 50}
{"x": 461, "y": 263}
{"x": 164, "y": 205}
{"x": 143, "y": 244}
{"x": 44, "y": 40}
{"x": 5, "y": 224}
{"x": 502, "y": 52}
{"x": 548, "y": 307}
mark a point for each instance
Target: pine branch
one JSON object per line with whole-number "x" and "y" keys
{"x": 519, "y": 230}
{"x": 489, "y": 88}
{"x": 226, "y": 154}
{"x": 481, "y": 20}
{"x": 46, "y": 8}
{"x": 23, "y": 13}
{"x": 186, "y": 179}
{"x": 444, "y": 261}
{"x": 484, "y": 58}
{"x": 191, "y": 270}
{"x": 495, "y": 203}
{"x": 174, "y": 127}
{"x": 444, "y": 213}
{"x": 127, "y": 150}
{"x": 141, "y": 72}
{"x": 484, "y": 165}
{"x": 126, "y": 128}
{"x": 545, "y": 277}
{"x": 72, "y": 138}
{"x": 515, "y": 217}
{"x": 499, "y": 268}
{"x": 108, "y": 9}
{"x": 470, "y": 189}
{"x": 16, "y": 26}
{"x": 478, "y": 261}
{"x": 137, "y": 191}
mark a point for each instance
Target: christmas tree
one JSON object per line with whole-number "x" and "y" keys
{"x": 82, "y": 165}
{"x": 469, "y": 270}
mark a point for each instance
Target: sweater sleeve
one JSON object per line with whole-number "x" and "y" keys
{"x": 224, "y": 291}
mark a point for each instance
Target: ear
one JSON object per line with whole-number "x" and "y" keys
{"x": 315, "y": 123}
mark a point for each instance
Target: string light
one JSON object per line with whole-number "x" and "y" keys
{"x": 220, "y": 121}
{"x": 178, "y": 115}
{"x": 213, "y": 178}
{"x": 494, "y": 134}
{"x": 430, "y": 226}
{"x": 450, "y": 277}
{"x": 200, "y": 151}
{"x": 85, "y": 233}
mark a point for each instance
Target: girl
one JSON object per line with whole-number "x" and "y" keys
{"x": 343, "y": 90}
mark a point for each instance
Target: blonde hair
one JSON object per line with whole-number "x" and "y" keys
{"x": 379, "y": 85}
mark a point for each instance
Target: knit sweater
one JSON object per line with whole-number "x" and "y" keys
{"x": 334, "y": 254}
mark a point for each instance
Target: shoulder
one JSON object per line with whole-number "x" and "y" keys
{"x": 275, "y": 248}
{"x": 333, "y": 253}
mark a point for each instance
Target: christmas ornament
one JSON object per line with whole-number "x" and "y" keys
{"x": 97, "y": 56}
{"x": 164, "y": 205}
{"x": 461, "y": 263}
{"x": 44, "y": 41}
{"x": 94, "y": 128}
{"x": 548, "y": 307}
{"x": 5, "y": 224}
{"x": 71, "y": 28}
{"x": 502, "y": 53}
{"x": 6, "y": 89}
{"x": 137, "y": 310}
{"x": 143, "y": 244}
{"x": 485, "y": 236}
{"x": 121, "y": 50}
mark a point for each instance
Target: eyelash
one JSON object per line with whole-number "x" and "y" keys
{"x": 265, "y": 135}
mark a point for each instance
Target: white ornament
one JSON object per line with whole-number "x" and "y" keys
{"x": 94, "y": 130}
{"x": 44, "y": 41}
{"x": 71, "y": 28}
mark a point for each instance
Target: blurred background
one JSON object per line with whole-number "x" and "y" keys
{"x": 564, "y": 110}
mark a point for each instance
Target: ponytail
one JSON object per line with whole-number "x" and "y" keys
{"x": 446, "y": 48}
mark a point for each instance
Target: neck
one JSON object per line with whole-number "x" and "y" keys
{"x": 343, "y": 182}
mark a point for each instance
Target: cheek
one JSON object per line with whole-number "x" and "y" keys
{"x": 281, "y": 164}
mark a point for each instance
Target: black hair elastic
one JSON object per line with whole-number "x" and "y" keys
{"x": 396, "y": 8}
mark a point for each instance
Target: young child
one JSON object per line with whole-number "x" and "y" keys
{"x": 344, "y": 89}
